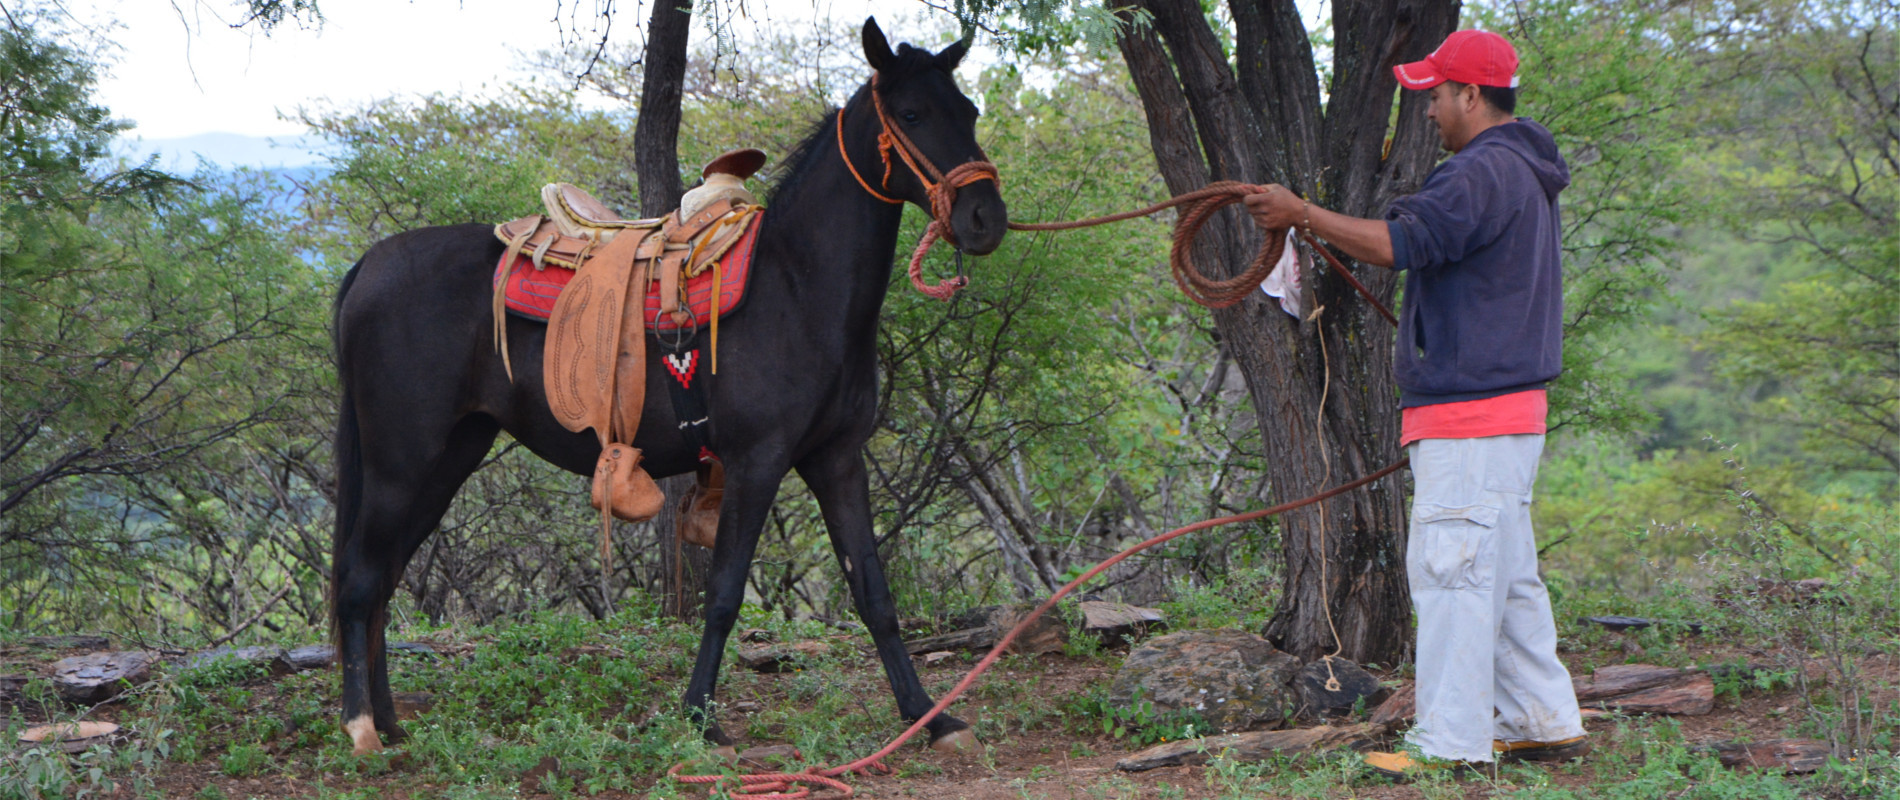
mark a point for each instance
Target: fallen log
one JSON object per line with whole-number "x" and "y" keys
{"x": 1046, "y": 635}
{"x": 1398, "y": 709}
{"x": 73, "y": 642}
{"x": 70, "y": 737}
{"x": 271, "y": 658}
{"x": 1621, "y": 679}
{"x": 1251, "y": 746}
{"x": 318, "y": 656}
{"x": 1647, "y": 689}
{"x": 1790, "y": 756}
{"x": 781, "y": 657}
{"x": 310, "y": 656}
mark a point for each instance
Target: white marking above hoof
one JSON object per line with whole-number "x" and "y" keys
{"x": 956, "y": 741}
{"x": 362, "y": 731}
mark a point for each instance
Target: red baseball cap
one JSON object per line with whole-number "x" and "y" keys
{"x": 1479, "y": 57}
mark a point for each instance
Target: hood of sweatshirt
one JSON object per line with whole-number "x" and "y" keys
{"x": 1533, "y": 143}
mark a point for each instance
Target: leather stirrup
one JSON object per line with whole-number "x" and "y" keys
{"x": 699, "y": 510}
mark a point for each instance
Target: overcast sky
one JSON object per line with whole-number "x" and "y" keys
{"x": 181, "y": 70}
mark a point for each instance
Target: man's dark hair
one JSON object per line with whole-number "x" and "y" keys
{"x": 1502, "y": 98}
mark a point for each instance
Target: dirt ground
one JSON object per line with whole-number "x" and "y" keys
{"x": 1050, "y": 760}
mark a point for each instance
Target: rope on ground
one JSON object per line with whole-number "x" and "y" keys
{"x": 1201, "y": 205}
{"x": 776, "y": 783}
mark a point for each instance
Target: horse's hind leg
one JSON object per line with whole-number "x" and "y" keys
{"x": 408, "y": 474}
{"x": 837, "y": 479}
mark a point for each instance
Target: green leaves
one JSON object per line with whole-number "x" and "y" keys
{"x": 1820, "y": 348}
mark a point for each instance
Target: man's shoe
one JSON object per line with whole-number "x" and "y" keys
{"x": 1560, "y": 750}
{"x": 1405, "y": 767}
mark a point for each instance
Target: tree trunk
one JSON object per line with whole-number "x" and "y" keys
{"x": 656, "y": 132}
{"x": 1259, "y": 119}
{"x": 683, "y": 567}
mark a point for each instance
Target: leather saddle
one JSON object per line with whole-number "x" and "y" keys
{"x": 594, "y": 367}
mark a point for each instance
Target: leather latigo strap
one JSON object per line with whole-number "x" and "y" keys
{"x": 541, "y": 240}
{"x": 681, "y": 231}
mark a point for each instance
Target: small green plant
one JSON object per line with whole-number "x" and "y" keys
{"x": 1139, "y": 722}
{"x": 244, "y": 760}
{"x": 1734, "y": 677}
{"x": 223, "y": 671}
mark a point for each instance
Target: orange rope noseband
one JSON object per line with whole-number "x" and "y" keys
{"x": 941, "y": 188}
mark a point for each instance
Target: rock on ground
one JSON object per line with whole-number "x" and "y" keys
{"x": 1233, "y": 679}
{"x": 97, "y": 677}
{"x": 1319, "y": 699}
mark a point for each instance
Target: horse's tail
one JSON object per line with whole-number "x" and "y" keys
{"x": 348, "y": 453}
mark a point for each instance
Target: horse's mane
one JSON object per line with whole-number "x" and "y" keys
{"x": 909, "y": 62}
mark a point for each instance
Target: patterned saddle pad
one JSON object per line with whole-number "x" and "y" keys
{"x": 531, "y": 292}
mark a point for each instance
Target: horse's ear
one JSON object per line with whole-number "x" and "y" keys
{"x": 877, "y": 50}
{"x": 953, "y": 55}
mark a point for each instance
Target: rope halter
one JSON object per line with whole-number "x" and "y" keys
{"x": 940, "y": 187}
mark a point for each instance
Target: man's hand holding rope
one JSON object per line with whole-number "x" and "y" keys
{"x": 1275, "y": 207}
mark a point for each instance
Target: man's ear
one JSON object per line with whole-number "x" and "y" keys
{"x": 1473, "y": 99}
{"x": 877, "y": 50}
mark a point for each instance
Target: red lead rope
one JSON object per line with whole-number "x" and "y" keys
{"x": 775, "y": 786}
{"x": 1213, "y": 293}
{"x": 941, "y": 188}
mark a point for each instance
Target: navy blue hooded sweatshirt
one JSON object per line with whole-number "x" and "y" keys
{"x": 1483, "y": 270}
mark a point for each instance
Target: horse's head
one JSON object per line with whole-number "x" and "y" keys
{"x": 920, "y": 99}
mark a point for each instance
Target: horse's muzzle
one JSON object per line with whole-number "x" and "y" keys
{"x": 979, "y": 218}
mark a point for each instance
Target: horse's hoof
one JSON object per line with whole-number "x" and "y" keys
{"x": 362, "y": 731}
{"x": 957, "y": 741}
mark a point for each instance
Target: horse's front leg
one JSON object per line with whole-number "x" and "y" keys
{"x": 837, "y": 478}
{"x": 750, "y": 490}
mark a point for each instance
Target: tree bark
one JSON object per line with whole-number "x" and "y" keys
{"x": 656, "y": 132}
{"x": 1259, "y": 119}
{"x": 656, "y": 162}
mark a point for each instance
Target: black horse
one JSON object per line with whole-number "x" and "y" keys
{"x": 424, "y": 392}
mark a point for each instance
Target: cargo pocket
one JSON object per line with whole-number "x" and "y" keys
{"x": 1453, "y": 547}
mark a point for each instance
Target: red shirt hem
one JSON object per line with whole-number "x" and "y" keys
{"x": 1506, "y": 414}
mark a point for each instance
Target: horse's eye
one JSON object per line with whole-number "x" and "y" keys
{"x": 910, "y": 117}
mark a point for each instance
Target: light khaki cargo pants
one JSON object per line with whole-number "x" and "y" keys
{"x": 1487, "y": 658}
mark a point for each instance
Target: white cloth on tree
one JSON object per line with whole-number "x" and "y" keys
{"x": 1284, "y": 281}
{"x": 1487, "y": 645}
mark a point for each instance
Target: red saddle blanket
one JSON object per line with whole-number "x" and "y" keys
{"x": 531, "y": 292}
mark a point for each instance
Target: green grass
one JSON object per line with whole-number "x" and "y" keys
{"x": 601, "y": 699}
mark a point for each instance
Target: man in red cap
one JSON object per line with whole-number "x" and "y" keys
{"x": 1480, "y": 335}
